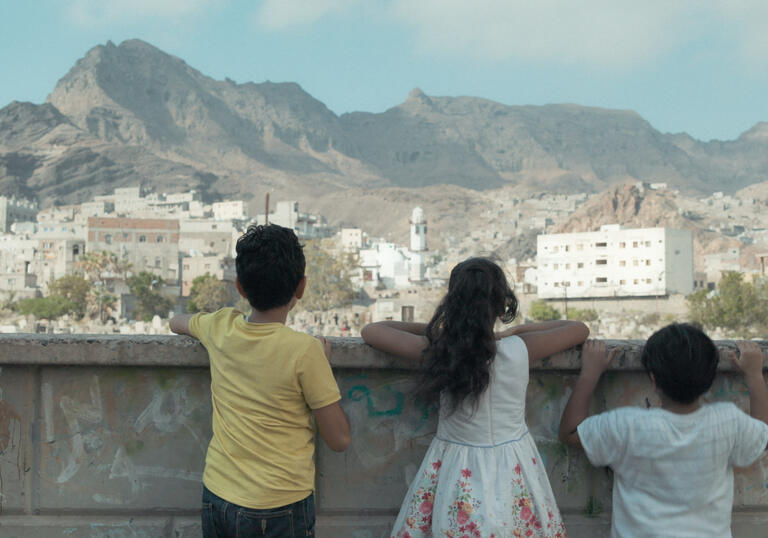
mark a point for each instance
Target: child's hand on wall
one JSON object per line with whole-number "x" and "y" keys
{"x": 749, "y": 359}
{"x": 326, "y": 346}
{"x": 595, "y": 359}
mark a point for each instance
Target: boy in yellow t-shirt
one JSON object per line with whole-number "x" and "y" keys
{"x": 267, "y": 382}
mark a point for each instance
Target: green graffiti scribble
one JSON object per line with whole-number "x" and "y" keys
{"x": 593, "y": 508}
{"x": 357, "y": 393}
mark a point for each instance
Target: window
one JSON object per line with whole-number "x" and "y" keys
{"x": 622, "y": 245}
{"x": 635, "y": 281}
{"x": 601, "y": 280}
{"x": 557, "y": 284}
{"x": 76, "y": 250}
{"x": 567, "y": 265}
{"x": 647, "y": 280}
{"x": 622, "y": 282}
{"x": 126, "y": 236}
{"x": 622, "y": 263}
{"x": 157, "y": 262}
{"x": 647, "y": 243}
{"x": 580, "y": 246}
{"x": 567, "y": 248}
{"x": 647, "y": 262}
{"x": 555, "y": 249}
{"x": 601, "y": 262}
{"x": 186, "y": 267}
{"x": 635, "y": 262}
{"x": 142, "y": 239}
{"x": 108, "y": 239}
{"x": 159, "y": 239}
{"x": 677, "y": 252}
{"x": 601, "y": 245}
{"x": 580, "y": 265}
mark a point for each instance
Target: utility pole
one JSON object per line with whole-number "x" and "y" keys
{"x": 266, "y": 209}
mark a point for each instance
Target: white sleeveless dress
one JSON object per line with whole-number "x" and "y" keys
{"x": 482, "y": 476}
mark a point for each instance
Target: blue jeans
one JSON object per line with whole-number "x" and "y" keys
{"x": 222, "y": 519}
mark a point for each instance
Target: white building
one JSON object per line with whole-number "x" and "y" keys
{"x": 418, "y": 253}
{"x": 615, "y": 262}
{"x": 305, "y": 225}
{"x": 351, "y": 239}
{"x": 15, "y": 210}
{"x": 232, "y": 210}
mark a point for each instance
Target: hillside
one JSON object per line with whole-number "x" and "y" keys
{"x": 132, "y": 113}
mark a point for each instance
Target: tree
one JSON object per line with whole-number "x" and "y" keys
{"x": 75, "y": 289}
{"x": 542, "y": 311}
{"x": 50, "y": 308}
{"x": 208, "y": 294}
{"x": 586, "y": 314}
{"x": 328, "y": 278}
{"x": 101, "y": 268}
{"x": 149, "y": 301}
{"x": 735, "y": 305}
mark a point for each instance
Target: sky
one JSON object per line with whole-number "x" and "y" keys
{"x": 683, "y": 65}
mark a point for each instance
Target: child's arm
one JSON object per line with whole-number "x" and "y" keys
{"x": 528, "y": 327}
{"x": 548, "y": 338}
{"x": 332, "y": 422}
{"x": 397, "y": 337}
{"x": 179, "y": 324}
{"x": 594, "y": 361}
{"x": 333, "y": 425}
{"x": 750, "y": 362}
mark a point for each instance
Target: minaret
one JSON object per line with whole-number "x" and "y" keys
{"x": 418, "y": 248}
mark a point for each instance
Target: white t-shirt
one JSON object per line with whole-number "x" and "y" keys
{"x": 673, "y": 474}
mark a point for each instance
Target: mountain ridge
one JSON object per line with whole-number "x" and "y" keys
{"x": 248, "y": 138}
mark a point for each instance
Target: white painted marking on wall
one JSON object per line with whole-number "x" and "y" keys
{"x": 74, "y": 412}
{"x": 47, "y": 390}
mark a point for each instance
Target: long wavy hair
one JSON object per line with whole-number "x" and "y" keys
{"x": 461, "y": 341}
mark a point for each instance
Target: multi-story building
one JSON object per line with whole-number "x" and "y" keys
{"x": 230, "y": 210}
{"x": 306, "y": 226}
{"x": 207, "y": 237}
{"x": 222, "y": 267}
{"x": 351, "y": 239}
{"x": 15, "y": 210}
{"x": 148, "y": 244}
{"x": 615, "y": 262}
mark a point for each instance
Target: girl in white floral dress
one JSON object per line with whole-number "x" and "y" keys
{"x": 482, "y": 476}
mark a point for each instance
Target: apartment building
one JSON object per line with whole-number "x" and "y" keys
{"x": 615, "y": 262}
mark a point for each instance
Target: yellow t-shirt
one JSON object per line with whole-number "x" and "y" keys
{"x": 265, "y": 379}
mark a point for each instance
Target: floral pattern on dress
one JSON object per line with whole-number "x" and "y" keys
{"x": 525, "y": 522}
{"x": 462, "y": 508}
{"x": 419, "y": 518}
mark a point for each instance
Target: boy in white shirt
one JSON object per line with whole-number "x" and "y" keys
{"x": 673, "y": 467}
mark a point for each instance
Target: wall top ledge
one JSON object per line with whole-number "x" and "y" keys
{"x": 181, "y": 351}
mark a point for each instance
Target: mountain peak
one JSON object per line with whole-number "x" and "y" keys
{"x": 418, "y": 99}
{"x": 758, "y": 133}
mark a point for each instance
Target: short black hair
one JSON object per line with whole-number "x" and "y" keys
{"x": 683, "y": 361}
{"x": 270, "y": 264}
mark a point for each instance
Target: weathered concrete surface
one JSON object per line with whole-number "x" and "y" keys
{"x": 106, "y": 436}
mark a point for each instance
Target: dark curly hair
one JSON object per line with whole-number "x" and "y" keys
{"x": 461, "y": 340}
{"x": 683, "y": 361}
{"x": 270, "y": 264}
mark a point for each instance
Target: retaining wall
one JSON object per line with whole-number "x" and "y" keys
{"x": 106, "y": 437}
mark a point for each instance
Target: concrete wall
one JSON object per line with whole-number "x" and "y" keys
{"x": 106, "y": 437}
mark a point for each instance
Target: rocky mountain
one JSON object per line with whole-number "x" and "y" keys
{"x": 132, "y": 113}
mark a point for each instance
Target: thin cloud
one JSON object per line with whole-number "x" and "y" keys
{"x": 92, "y": 13}
{"x": 605, "y": 32}
{"x": 282, "y": 14}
